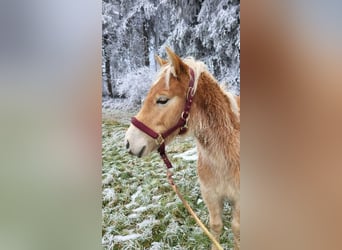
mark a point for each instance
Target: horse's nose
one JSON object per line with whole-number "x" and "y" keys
{"x": 127, "y": 144}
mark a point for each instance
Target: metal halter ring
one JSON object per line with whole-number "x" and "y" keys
{"x": 187, "y": 115}
{"x": 191, "y": 92}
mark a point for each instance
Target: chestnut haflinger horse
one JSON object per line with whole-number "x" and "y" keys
{"x": 186, "y": 99}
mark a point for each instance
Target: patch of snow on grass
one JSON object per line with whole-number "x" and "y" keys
{"x": 157, "y": 245}
{"x": 133, "y": 216}
{"x": 143, "y": 209}
{"x": 172, "y": 204}
{"x": 133, "y": 197}
{"x": 156, "y": 197}
{"x": 120, "y": 238}
{"x": 109, "y": 179}
{"x": 147, "y": 222}
{"x": 108, "y": 194}
{"x": 190, "y": 155}
{"x": 139, "y": 209}
{"x": 136, "y": 194}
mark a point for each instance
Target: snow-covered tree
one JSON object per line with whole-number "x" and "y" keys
{"x": 133, "y": 31}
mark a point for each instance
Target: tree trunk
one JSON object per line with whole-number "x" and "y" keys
{"x": 146, "y": 44}
{"x": 107, "y": 67}
{"x": 109, "y": 79}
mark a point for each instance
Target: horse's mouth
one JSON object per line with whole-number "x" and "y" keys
{"x": 141, "y": 151}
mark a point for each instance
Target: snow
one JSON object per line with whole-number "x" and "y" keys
{"x": 171, "y": 204}
{"x": 156, "y": 245}
{"x": 144, "y": 208}
{"x": 120, "y": 238}
{"x": 156, "y": 198}
{"x": 137, "y": 204}
{"x": 136, "y": 194}
{"x": 108, "y": 194}
{"x": 133, "y": 216}
{"x": 139, "y": 209}
{"x": 190, "y": 28}
{"x": 109, "y": 179}
{"x": 133, "y": 198}
{"x": 135, "y": 85}
{"x": 190, "y": 155}
{"x": 147, "y": 222}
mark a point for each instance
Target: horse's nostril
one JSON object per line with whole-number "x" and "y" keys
{"x": 127, "y": 145}
{"x": 141, "y": 151}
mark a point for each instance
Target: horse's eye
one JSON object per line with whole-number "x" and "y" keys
{"x": 162, "y": 100}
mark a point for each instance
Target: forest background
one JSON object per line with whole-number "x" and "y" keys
{"x": 135, "y": 31}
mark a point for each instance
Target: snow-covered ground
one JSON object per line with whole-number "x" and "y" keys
{"x": 190, "y": 155}
{"x": 139, "y": 208}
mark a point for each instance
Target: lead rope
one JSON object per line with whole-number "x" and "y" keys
{"x": 169, "y": 174}
{"x": 187, "y": 206}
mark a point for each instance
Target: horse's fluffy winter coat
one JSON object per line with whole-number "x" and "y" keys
{"x": 214, "y": 122}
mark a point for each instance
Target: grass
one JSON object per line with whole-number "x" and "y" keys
{"x": 139, "y": 208}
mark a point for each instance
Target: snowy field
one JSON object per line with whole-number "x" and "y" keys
{"x": 139, "y": 208}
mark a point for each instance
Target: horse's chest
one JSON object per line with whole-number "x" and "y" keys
{"x": 215, "y": 176}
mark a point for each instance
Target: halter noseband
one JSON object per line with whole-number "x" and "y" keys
{"x": 182, "y": 123}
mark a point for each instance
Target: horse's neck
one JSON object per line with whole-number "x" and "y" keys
{"x": 213, "y": 121}
{"x": 213, "y": 107}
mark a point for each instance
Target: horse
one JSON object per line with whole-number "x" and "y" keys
{"x": 205, "y": 111}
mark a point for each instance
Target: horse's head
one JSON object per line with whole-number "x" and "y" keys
{"x": 162, "y": 107}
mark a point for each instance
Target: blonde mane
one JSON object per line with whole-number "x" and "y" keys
{"x": 198, "y": 67}
{"x": 167, "y": 70}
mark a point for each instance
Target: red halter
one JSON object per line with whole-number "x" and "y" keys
{"x": 182, "y": 123}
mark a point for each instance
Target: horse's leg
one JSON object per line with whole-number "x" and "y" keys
{"x": 215, "y": 207}
{"x": 236, "y": 225}
{"x": 213, "y": 200}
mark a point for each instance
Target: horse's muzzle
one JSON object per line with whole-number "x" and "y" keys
{"x": 139, "y": 154}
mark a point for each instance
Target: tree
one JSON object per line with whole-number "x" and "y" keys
{"x": 208, "y": 30}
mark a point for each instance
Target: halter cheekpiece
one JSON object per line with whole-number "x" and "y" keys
{"x": 182, "y": 123}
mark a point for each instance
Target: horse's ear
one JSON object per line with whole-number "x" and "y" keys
{"x": 160, "y": 60}
{"x": 176, "y": 62}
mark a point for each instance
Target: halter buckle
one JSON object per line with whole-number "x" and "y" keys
{"x": 184, "y": 127}
{"x": 159, "y": 140}
{"x": 185, "y": 116}
{"x": 182, "y": 116}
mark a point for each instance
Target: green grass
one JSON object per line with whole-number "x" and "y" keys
{"x": 138, "y": 201}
